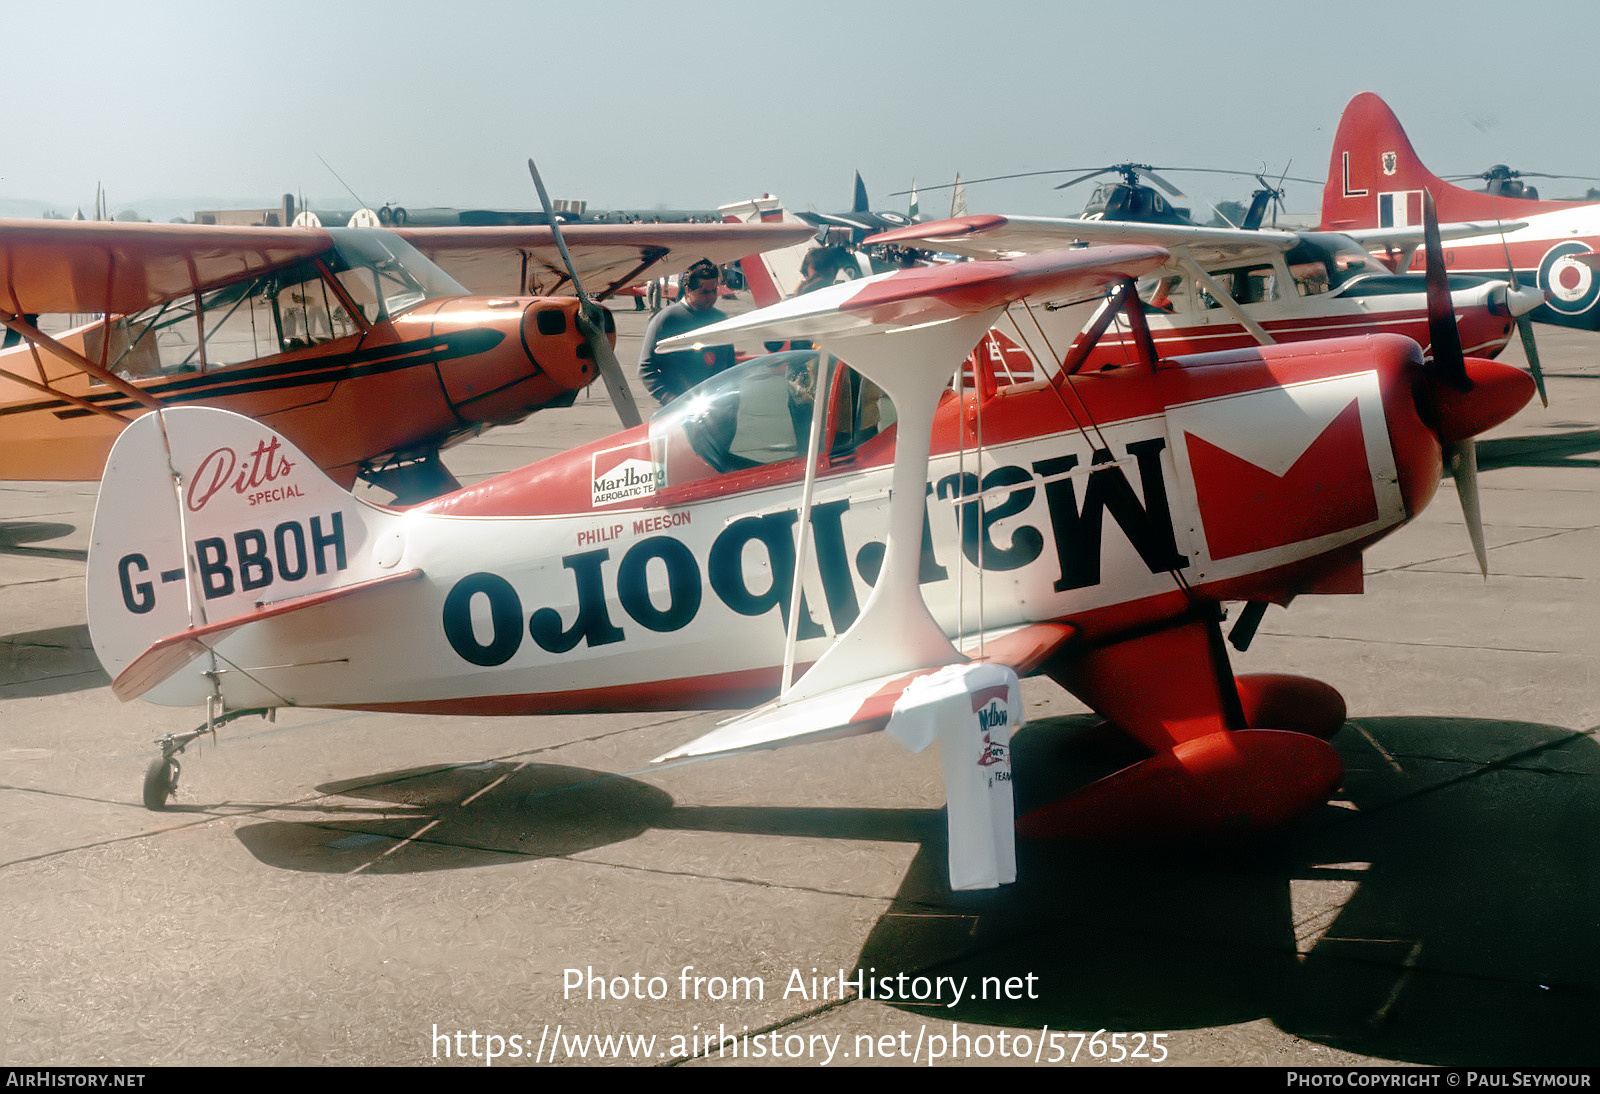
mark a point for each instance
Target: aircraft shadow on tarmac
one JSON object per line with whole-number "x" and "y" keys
{"x": 1556, "y": 450}
{"x": 18, "y": 536}
{"x": 1449, "y": 917}
{"x": 49, "y": 662}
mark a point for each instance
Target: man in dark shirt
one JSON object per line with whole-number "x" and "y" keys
{"x": 668, "y": 375}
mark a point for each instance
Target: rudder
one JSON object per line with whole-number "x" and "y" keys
{"x": 204, "y": 515}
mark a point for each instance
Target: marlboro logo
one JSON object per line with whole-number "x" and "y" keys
{"x": 993, "y": 753}
{"x": 623, "y": 473}
{"x": 989, "y": 707}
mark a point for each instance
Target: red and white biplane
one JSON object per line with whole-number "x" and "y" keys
{"x": 831, "y": 536}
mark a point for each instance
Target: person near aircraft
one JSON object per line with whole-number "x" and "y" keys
{"x": 668, "y": 375}
{"x": 1161, "y": 299}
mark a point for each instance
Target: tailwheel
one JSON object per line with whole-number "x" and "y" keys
{"x": 161, "y": 777}
{"x": 160, "y": 781}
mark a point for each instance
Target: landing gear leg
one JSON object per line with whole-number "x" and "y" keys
{"x": 161, "y": 777}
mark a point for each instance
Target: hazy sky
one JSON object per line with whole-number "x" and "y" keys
{"x": 691, "y": 104}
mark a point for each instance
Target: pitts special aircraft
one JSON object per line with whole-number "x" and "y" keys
{"x": 1228, "y": 287}
{"x": 1376, "y": 180}
{"x": 348, "y": 341}
{"x": 1088, "y": 525}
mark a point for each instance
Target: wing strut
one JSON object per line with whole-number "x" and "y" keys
{"x": 1224, "y": 298}
{"x": 895, "y": 631}
{"x": 821, "y": 399}
{"x": 1124, "y": 298}
{"x": 652, "y": 256}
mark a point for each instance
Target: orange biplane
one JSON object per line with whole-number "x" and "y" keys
{"x": 355, "y": 343}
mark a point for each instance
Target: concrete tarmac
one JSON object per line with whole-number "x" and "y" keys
{"x": 360, "y": 889}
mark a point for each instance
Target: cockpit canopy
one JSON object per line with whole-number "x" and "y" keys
{"x": 760, "y": 412}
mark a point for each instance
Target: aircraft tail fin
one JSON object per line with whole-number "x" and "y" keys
{"x": 206, "y": 521}
{"x": 772, "y": 275}
{"x": 1376, "y": 179}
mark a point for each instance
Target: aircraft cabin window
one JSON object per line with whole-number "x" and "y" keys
{"x": 385, "y": 274}
{"x": 308, "y": 312}
{"x": 1310, "y": 278}
{"x": 1246, "y": 285}
{"x": 275, "y": 313}
{"x": 1330, "y": 260}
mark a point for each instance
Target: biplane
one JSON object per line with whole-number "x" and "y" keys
{"x": 1376, "y": 180}
{"x": 818, "y": 537}
{"x": 353, "y": 343}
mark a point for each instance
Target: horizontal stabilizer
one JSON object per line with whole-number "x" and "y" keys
{"x": 172, "y": 653}
{"x": 863, "y": 706}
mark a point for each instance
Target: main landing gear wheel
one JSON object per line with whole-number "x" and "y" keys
{"x": 161, "y": 777}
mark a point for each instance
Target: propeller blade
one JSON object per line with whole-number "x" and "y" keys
{"x": 1524, "y": 324}
{"x": 590, "y": 322}
{"x": 1531, "y": 351}
{"x": 1449, "y": 363}
{"x": 1462, "y": 460}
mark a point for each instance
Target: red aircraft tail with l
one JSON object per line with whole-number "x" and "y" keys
{"x": 1375, "y": 178}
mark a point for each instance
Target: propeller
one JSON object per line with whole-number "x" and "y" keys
{"x": 1524, "y": 322}
{"x": 1449, "y": 366}
{"x": 1267, "y": 193}
{"x": 593, "y": 320}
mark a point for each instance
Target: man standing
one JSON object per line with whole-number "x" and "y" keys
{"x": 668, "y": 375}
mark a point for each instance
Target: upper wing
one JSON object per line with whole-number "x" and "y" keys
{"x": 989, "y": 235}
{"x": 931, "y": 294}
{"x": 515, "y": 260}
{"x": 63, "y": 266}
